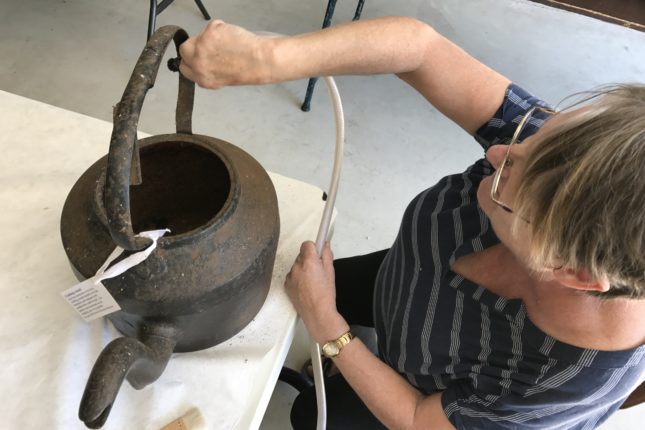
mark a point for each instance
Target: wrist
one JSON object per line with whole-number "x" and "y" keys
{"x": 333, "y": 348}
{"x": 278, "y": 63}
{"x": 288, "y": 61}
{"x": 265, "y": 60}
{"x": 332, "y": 330}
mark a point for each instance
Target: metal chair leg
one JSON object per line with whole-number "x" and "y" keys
{"x": 157, "y": 8}
{"x": 152, "y": 18}
{"x": 359, "y": 9}
{"x": 201, "y": 7}
{"x": 295, "y": 379}
{"x": 306, "y": 105}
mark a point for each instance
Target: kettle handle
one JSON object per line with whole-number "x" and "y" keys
{"x": 123, "y": 166}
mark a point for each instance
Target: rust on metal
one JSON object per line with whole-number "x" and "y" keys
{"x": 209, "y": 277}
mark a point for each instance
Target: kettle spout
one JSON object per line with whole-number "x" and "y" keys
{"x": 140, "y": 361}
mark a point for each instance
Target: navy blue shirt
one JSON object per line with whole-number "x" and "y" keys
{"x": 442, "y": 332}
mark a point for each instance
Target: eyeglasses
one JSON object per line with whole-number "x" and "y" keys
{"x": 495, "y": 190}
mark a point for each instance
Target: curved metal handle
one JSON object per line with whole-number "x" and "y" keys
{"x": 123, "y": 159}
{"x": 141, "y": 362}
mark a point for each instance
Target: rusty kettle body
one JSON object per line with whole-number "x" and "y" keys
{"x": 209, "y": 276}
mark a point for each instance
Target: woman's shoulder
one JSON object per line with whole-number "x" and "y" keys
{"x": 500, "y": 127}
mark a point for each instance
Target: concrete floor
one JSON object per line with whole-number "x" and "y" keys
{"x": 78, "y": 55}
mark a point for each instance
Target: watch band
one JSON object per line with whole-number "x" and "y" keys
{"x": 332, "y": 348}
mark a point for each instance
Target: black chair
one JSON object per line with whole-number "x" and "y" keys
{"x": 635, "y": 398}
{"x": 157, "y": 8}
{"x": 295, "y": 379}
{"x": 306, "y": 105}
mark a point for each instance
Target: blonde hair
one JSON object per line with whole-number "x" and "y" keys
{"x": 584, "y": 191}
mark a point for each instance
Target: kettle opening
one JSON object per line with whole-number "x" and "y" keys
{"x": 184, "y": 187}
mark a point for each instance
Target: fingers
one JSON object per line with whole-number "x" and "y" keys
{"x": 307, "y": 249}
{"x": 187, "y": 49}
{"x": 213, "y": 26}
{"x": 223, "y": 55}
{"x": 187, "y": 55}
{"x": 192, "y": 63}
{"x": 308, "y": 259}
{"x": 327, "y": 256}
{"x": 185, "y": 70}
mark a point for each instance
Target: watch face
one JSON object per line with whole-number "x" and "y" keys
{"x": 330, "y": 349}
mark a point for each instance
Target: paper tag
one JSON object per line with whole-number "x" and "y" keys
{"x": 90, "y": 298}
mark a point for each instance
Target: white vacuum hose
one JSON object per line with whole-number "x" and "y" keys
{"x": 323, "y": 230}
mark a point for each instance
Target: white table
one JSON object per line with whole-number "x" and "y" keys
{"x": 47, "y": 351}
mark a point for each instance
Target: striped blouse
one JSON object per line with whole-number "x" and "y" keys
{"x": 445, "y": 333}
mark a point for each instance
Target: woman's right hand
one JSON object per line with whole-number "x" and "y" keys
{"x": 224, "y": 54}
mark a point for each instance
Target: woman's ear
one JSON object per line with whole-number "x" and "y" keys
{"x": 581, "y": 279}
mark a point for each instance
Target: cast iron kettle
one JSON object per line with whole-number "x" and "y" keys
{"x": 209, "y": 276}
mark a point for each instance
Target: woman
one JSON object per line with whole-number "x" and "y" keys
{"x": 511, "y": 296}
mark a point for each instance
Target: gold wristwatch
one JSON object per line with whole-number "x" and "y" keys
{"x": 332, "y": 348}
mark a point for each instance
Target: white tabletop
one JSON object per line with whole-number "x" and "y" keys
{"x": 48, "y": 351}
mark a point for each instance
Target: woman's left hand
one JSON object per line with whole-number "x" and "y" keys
{"x": 311, "y": 288}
